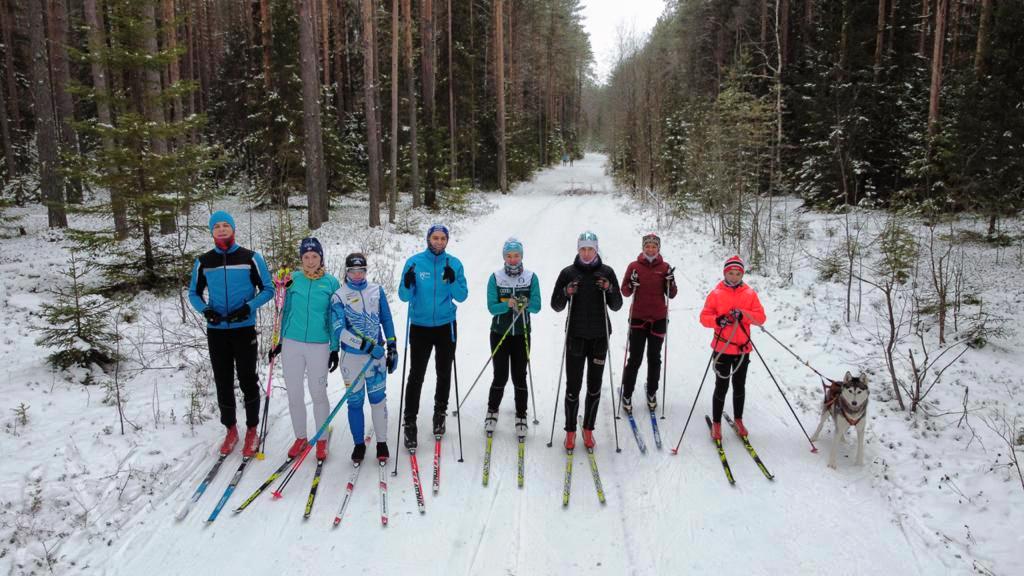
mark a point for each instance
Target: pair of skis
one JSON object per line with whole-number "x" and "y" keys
{"x": 520, "y": 460}
{"x": 636, "y": 429}
{"x": 207, "y": 480}
{"x": 746, "y": 444}
{"x": 567, "y": 483}
{"x": 382, "y": 484}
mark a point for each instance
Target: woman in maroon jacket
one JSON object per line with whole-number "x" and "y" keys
{"x": 650, "y": 281}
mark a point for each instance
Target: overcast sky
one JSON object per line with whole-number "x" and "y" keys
{"x": 604, "y": 18}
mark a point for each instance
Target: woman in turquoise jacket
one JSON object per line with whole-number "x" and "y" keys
{"x": 308, "y": 347}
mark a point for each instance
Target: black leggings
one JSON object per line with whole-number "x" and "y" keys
{"x": 651, "y": 336}
{"x": 423, "y": 340}
{"x": 235, "y": 350}
{"x": 726, "y": 364}
{"x": 511, "y": 354}
{"x": 589, "y": 352}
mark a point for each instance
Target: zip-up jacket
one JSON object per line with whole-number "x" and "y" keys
{"x": 432, "y": 299}
{"x": 649, "y": 304}
{"x": 724, "y": 299}
{"x": 588, "y": 313}
{"x": 307, "y": 309}
{"x": 500, "y": 288}
{"x": 358, "y": 312}
{"x": 231, "y": 278}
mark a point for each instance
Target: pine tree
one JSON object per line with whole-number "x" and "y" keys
{"x": 149, "y": 179}
{"x": 76, "y": 325}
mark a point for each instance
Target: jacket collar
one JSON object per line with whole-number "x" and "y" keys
{"x": 578, "y": 263}
{"x": 233, "y": 248}
{"x": 643, "y": 260}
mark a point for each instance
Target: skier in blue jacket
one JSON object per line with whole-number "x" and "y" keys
{"x": 237, "y": 282}
{"x": 432, "y": 282}
{"x": 361, "y": 322}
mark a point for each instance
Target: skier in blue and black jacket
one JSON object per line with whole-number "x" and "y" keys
{"x": 237, "y": 282}
{"x": 432, "y": 282}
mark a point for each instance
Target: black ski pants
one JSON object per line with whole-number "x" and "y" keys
{"x": 423, "y": 341}
{"x": 734, "y": 367}
{"x": 580, "y": 353}
{"x": 231, "y": 350}
{"x": 512, "y": 354}
{"x": 650, "y": 335}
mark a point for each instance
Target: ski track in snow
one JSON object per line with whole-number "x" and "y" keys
{"x": 664, "y": 514}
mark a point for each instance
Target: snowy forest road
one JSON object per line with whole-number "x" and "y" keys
{"x": 665, "y": 514}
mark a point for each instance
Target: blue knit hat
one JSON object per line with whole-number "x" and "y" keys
{"x": 221, "y": 216}
{"x": 512, "y": 245}
{"x": 311, "y": 244}
{"x": 435, "y": 228}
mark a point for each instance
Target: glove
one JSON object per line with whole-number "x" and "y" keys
{"x": 289, "y": 283}
{"x": 522, "y": 303}
{"x": 212, "y": 316}
{"x": 274, "y": 351}
{"x": 724, "y": 320}
{"x": 410, "y": 277}
{"x": 392, "y": 357}
{"x": 512, "y": 303}
{"x": 670, "y": 277}
{"x": 736, "y": 314}
{"x": 572, "y": 287}
{"x": 240, "y": 314}
{"x": 603, "y": 283}
{"x": 448, "y": 275}
{"x": 634, "y": 279}
{"x": 332, "y": 361}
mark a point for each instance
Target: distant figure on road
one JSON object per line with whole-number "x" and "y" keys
{"x": 565, "y": 158}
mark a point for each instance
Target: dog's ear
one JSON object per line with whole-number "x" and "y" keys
{"x": 863, "y": 378}
{"x": 848, "y": 377}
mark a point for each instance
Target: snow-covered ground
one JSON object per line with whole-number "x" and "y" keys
{"x": 932, "y": 498}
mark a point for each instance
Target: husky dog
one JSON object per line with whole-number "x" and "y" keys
{"x": 847, "y": 403}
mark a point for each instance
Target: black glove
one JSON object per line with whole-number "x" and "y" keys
{"x": 603, "y": 283}
{"x": 274, "y": 351}
{"x": 332, "y": 361}
{"x": 409, "y": 280}
{"x": 392, "y": 357}
{"x": 736, "y": 314}
{"x": 212, "y": 316}
{"x": 670, "y": 276}
{"x": 448, "y": 275}
{"x": 240, "y": 314}
{"x": 723, "y": 320}
{"x": 571, "y": 288}
{"x": 288, "y": 284}
{"x": 634, "y": 279}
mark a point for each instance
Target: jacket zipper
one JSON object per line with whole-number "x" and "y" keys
{"x": 309, "y": 289}
{"x": 226, "y": 301}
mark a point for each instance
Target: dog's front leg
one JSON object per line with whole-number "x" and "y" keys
{"x": 821, "y": 423}
{"x": 860, "y": 442}
{"x": 837, "y": 439}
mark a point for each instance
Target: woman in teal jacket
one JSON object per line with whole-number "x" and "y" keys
{"x": 513, "y": 293}
{"x": 308, "y": 347}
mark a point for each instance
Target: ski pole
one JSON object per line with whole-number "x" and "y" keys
{"x": 714, "y": 358}
{"x": 356, "y": 385}
{"x": 611, "y": 377}
{"x": 787, "y": 349}
{"x": 455, "y": 369}
{"x": 772, "y": 376}
{"x": 280, "y": 290}
{"x": 401, "y": 397}
{"x": 664, "y": 364}
{"x": 529, "y": 370}
{"x": 625, "y": 354}
{"x": 488, "y": 363}
{"x": 561, "y": 369}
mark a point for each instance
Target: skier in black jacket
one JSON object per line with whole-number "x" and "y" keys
{"x": 585, "y": 286}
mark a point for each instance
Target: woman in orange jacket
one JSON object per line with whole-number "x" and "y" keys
{"x": 730, "y": 309}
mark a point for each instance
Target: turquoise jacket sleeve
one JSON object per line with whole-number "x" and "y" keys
{"x": 494, "y": 305}
{"x": 460, "y": 290}
{"x": 536, "y": 300}
{"x": 266, "y": 292}
{"x": 406, "y": 294}
{"x": 335, "y": 285}
{"x": 385, "y": 317}
{"x": 195, "y": 296}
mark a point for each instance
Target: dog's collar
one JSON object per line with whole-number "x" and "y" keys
{"x": 845, "y": 410}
